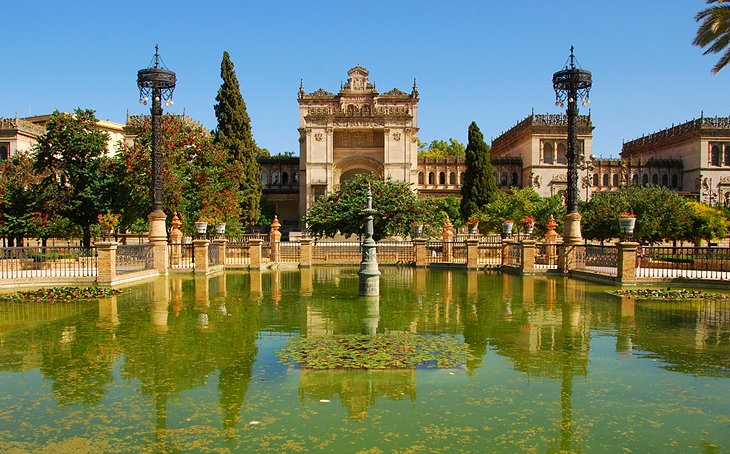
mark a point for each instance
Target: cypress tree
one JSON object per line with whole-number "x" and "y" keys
{"x": 235, "y": 136}
{"x": 479, "y": 187}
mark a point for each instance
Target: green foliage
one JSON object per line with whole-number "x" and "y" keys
{"x": 61, "y": 294}
{"x": 714, "y": 31}
{"x": 78, "y": 180}
{"x": 235, "y": 136}
{"x": 392, "y": 351}
{"x": 661, "y": 214}
{"x": 198, "y": 179}
{"x": 707, "y": 222}
{"x": 449, "y": 206}
{"x": 396, "y": 205}
{"x": 442, "y": 149}
{"x": 519, "y": 204}
{"x": 479, "y": 188}
{"x": 668, "y": 294}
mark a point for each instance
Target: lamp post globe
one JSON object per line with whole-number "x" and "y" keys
{"x": 571, "y": 85}
{"x": 156, "y": 84}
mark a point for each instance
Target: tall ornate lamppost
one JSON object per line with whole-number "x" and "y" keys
{"x": 572, "y": 84}
{"x": 157, "y": 83}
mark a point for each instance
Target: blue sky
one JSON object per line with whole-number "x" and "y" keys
{"x": 487, "y": 61}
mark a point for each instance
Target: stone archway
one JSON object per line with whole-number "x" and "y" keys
{"x": 348, "y": 168}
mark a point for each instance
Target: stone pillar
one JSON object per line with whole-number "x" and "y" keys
{"x": 447, "y": 236}
{"x": 200, "y": 252}
{"x": 566, "y": 257}
{"x": 106, "y": 262}
{"x": 158, "y": 239}
{"x": 176, "y": 239}
{"x": 626, "y": 261}
{"x": 221, "y": 242}
{"x": 254, "y": 253}
{"x": 305, "y": 252}
{"x": 419, "y": 251}
{"x": 528, "y": 256}
{"x": 472, "y": 253}
{"x": 274, "y": 240}
{"x": 551, "y": 240}
{"x": 505, "y": 251}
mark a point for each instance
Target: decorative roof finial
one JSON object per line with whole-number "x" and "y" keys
{"x": 414, "y": 92}
{"x": 301, "y": 88}
{"x": 157, "y": 55}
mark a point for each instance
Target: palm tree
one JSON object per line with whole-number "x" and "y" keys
{"x": 714, "y": 31}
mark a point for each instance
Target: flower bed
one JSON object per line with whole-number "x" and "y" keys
{"x": 667, "y": 294}
{"x": 61, "y": 294}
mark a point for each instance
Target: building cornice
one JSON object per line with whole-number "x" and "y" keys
{"x": 540, "y": 124}
{"x": 699, "y": 127}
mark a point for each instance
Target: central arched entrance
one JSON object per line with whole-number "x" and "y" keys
{"x": 347, "y": 169}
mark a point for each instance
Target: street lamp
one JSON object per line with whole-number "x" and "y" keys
{"x": 156, "y": 83}
{"x": 572, "y": 84}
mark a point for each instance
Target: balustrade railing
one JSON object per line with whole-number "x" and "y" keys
{"x": 396, "y": 252}
{"x": 336, "y": 252}
{"x": 683, "y": 262}
{"x": 238, "y": 252}
{"x": 490, "y": 255}
{"x": 29, "y": 262}
{"x": 289, "y": 252}
{"x": 134, "y": 257}
{"x": 546, "y": 255}
{"x": 181, "y": 255}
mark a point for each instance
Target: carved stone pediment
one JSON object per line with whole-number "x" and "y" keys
{"x": 321, "y": 93}
{"x": 396, "y": 92}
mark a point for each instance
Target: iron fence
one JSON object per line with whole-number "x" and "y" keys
{"x": 490, "y": 255}
{"x": 134, "y": 257}
{"x": 214, "y": 254}
{"x": 238, "y": 253}
{"x": 396, "y": 252}
{"x": 683, "y": 262}
{"x": 514, "y": 255}
{"x": 546, "y": 255}
{"x": 289, "y": 252}
{"x": 64, "y": 261}
{"x": 336, "y": 252}
{"x": 597, "y": 259}
{"x": 182, "y": 255}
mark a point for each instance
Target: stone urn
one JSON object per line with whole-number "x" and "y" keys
{"x": 417, "y": 230}
{"x": 473, "y": 228}
{"x": 220, "y": 229}
{"x": 201, "y": 227}
{"x": 507, "y": 227}
{"x": 528, "y": 229}
{"x": 626, "y": 225}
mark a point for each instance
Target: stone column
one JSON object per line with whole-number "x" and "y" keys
{"x": 305, "y": 252}
{"x": 254, "y": 253}
{"x": 472, "y": 253}
{"x": 447, "y": 236}
{"x": 200, "y": 252}
{"x": 176, "y": 238}
{"x": 158, "y": 239}
{"x": 626, "y": 261}
{"x": 528, "y": 256}
{"x": 221, "y": 242}
{"x": 419, "y": 251}
{"x": 274, "y": 239}
{"x": 106, "y": 262}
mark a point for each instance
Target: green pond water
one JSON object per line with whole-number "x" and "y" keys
{"x": 189, "y": 364}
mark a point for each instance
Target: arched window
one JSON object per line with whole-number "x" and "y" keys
{"x": 605, "y": 179}
{"x": 351, "y": 109}
{"x": 727, "y": 155}
{"x": 645, "y": 179}
{"x": 595, "y": 179}
{"x": 366, "y": 110}
{"x": 442, "y": 178}
{"x": 635, "y": 180}
{"x": 514, "y": 179}
{"x": 655, "y": 179}
{"x": 675, "y": 183}
{"x": 547, "y": 153}
{"x": 284, "y": 178}
{"x": 665, "y": 180}
{"x": 561, "y": 153}
{"x": 615, "y": 180}
{"x": 264, "y": 178}
{"x": 431, "y": 178}
{"x": 452, "y": 178}
{"x": 296, "y": 177}
{"x": 503, "y": 179}
{"x": 461, "y": 178}
{"x": 275, "y": 178}
{"x": 420, "y": 177}
{"x": 715, "y": 156}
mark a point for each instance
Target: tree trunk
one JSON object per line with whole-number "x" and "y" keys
{"x": 87, "y": 236}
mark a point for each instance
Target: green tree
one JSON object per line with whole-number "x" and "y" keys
{"x": 198, "y": 179}
{"x": 71, "y": 156}
{"x": 479, "y": 188}
{"x": 714, "y": 31}
{"x": 520, "y": 204}
{"x": 708, "y": 223}
{"x": 396, "y": 205}
{"x": 442, "y": 149}
{"x": 235, "y": 136}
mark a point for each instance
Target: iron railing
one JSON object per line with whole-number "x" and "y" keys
{"x": 214, "y": 254}
{"x": 546, "y": 255}
{"x": 181, "y": 255}
{"x": 134, "y": 257}
{"x": 683, "y": 262}
{"x": 396, "y": 252}
{"x": 29, "y": 262}
{"x": 597, "y": 259}
{"x": 514, "y": 255}
{"x": 490, "y": 255}
{"x": 336, "y": 252}
{"x": 238, "y": 253}
{"x": 289, "y": 252}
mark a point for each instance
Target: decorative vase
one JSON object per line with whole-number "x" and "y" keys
{"x": 417, "y": 230}
{"x": 107, "y": 232}
{"x": 626, "y": 225}
{"x": 201, "y": 227}
{"x": 220, "y": 229}
{"x": 473, "y": 228}
{"x": 507, "y": 228}
{"x": 528, "y": 230}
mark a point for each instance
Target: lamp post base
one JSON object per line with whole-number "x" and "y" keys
{"x": 571, "y": 229}
{"x": 158, "y": 239}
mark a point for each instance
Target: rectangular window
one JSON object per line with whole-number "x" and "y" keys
{"x": 4, "y": 151}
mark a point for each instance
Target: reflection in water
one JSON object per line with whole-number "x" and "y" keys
{"x": 193, "y": 356}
